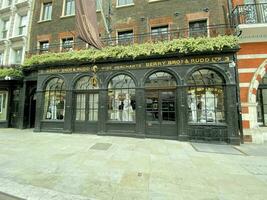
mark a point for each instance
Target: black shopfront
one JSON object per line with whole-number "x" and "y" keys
{"x": 171, "y": 97}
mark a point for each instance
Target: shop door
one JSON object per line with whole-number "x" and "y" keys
{"x": 161, "y": 113}
{"x": 86, "y": 112}
{"x": 14, "y": 109}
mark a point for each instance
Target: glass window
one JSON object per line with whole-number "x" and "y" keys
{"x": 160, "y": 80}
{"x": 44, "y": 46}
{"x": 121, "y": 99}
{"x": 3, "y": 105}
{"x": 67, "y": 44}
{"x": 87, "y": 102}
{"x": 54, "y": 96}
{"x": 124, "y": 2}
{"x": 205, "y": 97}
{"x": 18, "y": 56}
{"x": 159, "y": 33}
{"x": 5, "y": 28}
{"x": 98, "y": 2}
{"x": 125, "y": 37}
{"x": 22, "y": 24}
{"x": 47, "y": 11}
{"x": 198, "y": 28}
{"x": 1, "y": 58}
{"x": 69, "y": 7}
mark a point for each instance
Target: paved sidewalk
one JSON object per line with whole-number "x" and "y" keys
{"x": 40, "y": 166}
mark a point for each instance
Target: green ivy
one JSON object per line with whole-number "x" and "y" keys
{"x": 10, "y": 72}
{"x": 182, "y": 46}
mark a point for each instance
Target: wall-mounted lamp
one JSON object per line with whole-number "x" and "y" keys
{"x": 206, "y": 9}
{"x": 142, "y": 19}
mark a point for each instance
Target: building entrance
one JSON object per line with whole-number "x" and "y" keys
{"x": 161, "y": 113}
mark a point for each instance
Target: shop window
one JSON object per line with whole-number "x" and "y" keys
{"x": 86, "y": 99}
{"x": 54, "y": 100}
{"x": 262, "y": 102}
{"x": 69, "y": 7}
{"x": 160, "y": 33}
{"x": 125, "y": 37}
{"x": 206, "y": 97}
{"x": 67, "y": 44}
{"x": 124, "y": 2}
{"x": 46, "y": 11}
{"x": 198, "y": 28}
{"x": 3, "y": 105}
{"x": 121, "y": 99}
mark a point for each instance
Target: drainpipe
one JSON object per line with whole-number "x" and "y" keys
{"x": 239, "y": 110}
{"x": 230, "y": 9}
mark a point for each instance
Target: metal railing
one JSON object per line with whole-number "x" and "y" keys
{"x": 209, "y": 31}
{"x": 249, "y": 14}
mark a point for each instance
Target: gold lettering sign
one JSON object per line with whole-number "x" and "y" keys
{"x": 141, "y": 65}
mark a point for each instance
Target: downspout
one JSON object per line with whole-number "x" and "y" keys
{"x": 230, "y": 9}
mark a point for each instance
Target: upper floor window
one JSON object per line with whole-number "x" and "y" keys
{"x": 1, "y": 58}
{"x": 124, "y": 2}
{"x": 67, "y": 44}
{"x": 198, "y": 28}
{"x": 159, "y": 32}
{"x": 17, "y": 56}
{"x": 44, "y": 46}
{"x": 125, "y": 37}
{"x": 22, "y": 24}
{"x": 69, "y": 7}
{"x": 5, "y": 25}
{"x": 98, "y": 4}
{"x": 47, "y": 11}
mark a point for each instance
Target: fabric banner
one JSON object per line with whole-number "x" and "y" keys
{"x": 86, "y": 22}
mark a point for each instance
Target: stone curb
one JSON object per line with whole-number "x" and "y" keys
{"x": 29, "y": 192}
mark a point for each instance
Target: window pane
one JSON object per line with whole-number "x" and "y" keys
{"x": 80, "y": 107}
{"x": 125, "y": 37}
{"x": 160, "y": 79}
{"x": 69, "y": 7}
{"x": 124, "y": 2}
{"x": 47, "y": 11}
{"x": 93, "y": 107}
{"x": 198, "y": 28}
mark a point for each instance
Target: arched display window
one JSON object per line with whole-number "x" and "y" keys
{"x": 160, "y": 80}
{"x": 206, "y": 97}
{"x": 262, "y": 102}
{"x": 54, "y": 99}
{"x": 121, "y": 99}
{"x": 86, "y": 99}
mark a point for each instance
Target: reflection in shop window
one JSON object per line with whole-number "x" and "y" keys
{"x": 121, "y": 99}
{"x": 3, "y": 105}
{"x": 206, "y": 97}
{"x": 54, "y": 106}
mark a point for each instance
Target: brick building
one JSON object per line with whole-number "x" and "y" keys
{"x": 177, "y": 95}
{"x": 250, "y": 17}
